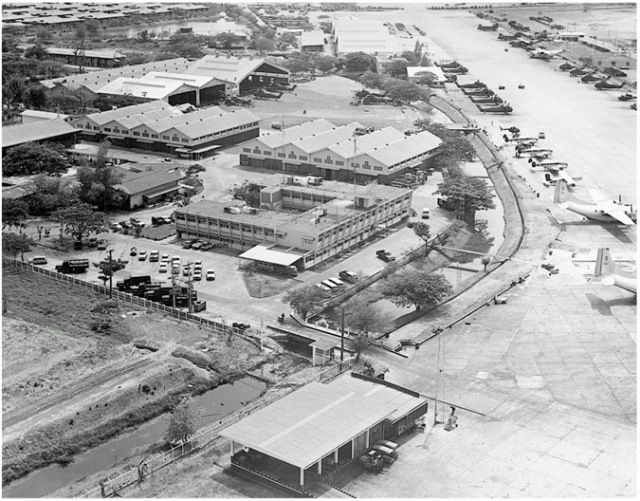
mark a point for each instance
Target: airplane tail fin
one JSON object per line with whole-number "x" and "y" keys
{"x": 562, "y": 193}
{"x": 604, "y": 263}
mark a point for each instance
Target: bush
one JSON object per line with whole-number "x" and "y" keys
{"x": 104, "y": 306}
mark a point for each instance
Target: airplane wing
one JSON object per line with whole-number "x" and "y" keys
{"x": 598, "y": 196}
{"x": 621, "y": 216}
{"x": 563, "y": 175}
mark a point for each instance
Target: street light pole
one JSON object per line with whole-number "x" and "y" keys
{"x": 342, "y": 341}
{"x": 110, "y": 276}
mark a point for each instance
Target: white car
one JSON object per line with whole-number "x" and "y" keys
{"x": 142, "y": 255}
{"x": 163, "y": 267}
{"x": 197, "y": 265}
{"x": 211, "y": 275}
{"x": 197, "y": 275}
{"x": 175, "y": 260}
{"x": 164, "y": 258}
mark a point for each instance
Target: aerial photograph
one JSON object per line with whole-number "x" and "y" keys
{"x": 319, "y": 250}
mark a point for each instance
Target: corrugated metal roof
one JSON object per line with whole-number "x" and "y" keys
{"x": 227, "y": 68}
{"x": 138, "y": 182}
{"x": 307, "y": 424}
{"x": 406, "y": 148}
{"x": 35, "y": 131}
{"x": 310, "y": 423}
{"x": 310, "y": 38}
{"x": 196, "y": 81}
{"x": 319, "y": 141}
{"x": 296, "y": 132}
{"x": 367, "y": 142}
{"x": 131, "y": 111}
{"x": 105, "y": 54}
{"x": 267, "y": 255}
{"x": 216, "y": 123}
{"x": 42, "y": 114}
{"x": 156, "y": 89}
{"x": 166, "y": 123}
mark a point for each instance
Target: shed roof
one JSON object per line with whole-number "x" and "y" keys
{"x": 215, "y": 123}
{"x": 316, "y": 142}
{"x": 143, "y": 181}
{"x": 195, "y": 81}
{"x": 367, "y": 142}
{"x": 270, "y": 255}
{"x": 35, "y": 131}
{"x": 130, "y": 111}
{"x": 310, "y": 423}
{"x": 42, "y": 114}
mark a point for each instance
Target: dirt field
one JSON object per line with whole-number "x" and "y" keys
{"x": 67, "y": 388}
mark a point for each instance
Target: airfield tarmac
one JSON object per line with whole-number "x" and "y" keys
{"x": 545, "y": 385}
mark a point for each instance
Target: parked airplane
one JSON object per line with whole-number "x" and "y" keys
{"x": 592, "y": 77}
{"x": 578, "y": 72}
{"x": 626, "y": 97}
{"x": 545, "y": 54}
{"x": 566, "y": 67}
{"x": 537, "y": 153}
{"x": 606, "y": 267}
{"x": 603, "y": 209}
{"x": 502, "y": 108}
{"x": 605, "y": 85}
{"x": 553, "y": 175}
{"x": 522, "y": 142}
{"x": 503, "y": 36}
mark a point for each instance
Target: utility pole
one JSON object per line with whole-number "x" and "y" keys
{"x": 438, "y": 331}
{"x": 342, "y": 341}
{"x": 355, "y": 198}
{"x": 189, "y": 281}
{"x": 110, "y": 276}
{"x": 173, "y": 285}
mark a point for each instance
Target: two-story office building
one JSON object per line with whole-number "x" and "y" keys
{"x": 157, "y": 126}
{"x": 297, "y": 224}
{"x": 319, "y": 148}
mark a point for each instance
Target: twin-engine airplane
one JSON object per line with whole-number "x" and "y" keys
{"x": 545, "y": 54}
{"x": 605, "y": 266}
{"x": 537, "y": 153}
{"x": 603, "y": 209}
{"x": 554, "y": 172}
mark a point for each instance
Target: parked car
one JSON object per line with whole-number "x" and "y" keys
{"x": 348, "y": 276}
{"x": 197, "y": 245}
{"x": 197, "y": 264}
{"x": 175, "y": 260}
{"x": 197, "y": 275}
{"x": 163, "y": 267}
{"x": 38, "y": 261}
{"x": 133, "y": 251}
{"x": 154, "y": 256}
{"x": 102, "y": 244}
{"x": 164, "y": 258}
{"x": 186, "y": 271}
{"x": 211, "y": 275}
{"x": 187, "y": 244}
{"x": 207, "y": 246}
{"x": 336, "y": 281}
{"x": 385, "y": 256}
{"x": 125, "y": 225}
{"x": 136, "y": 221}
{"x": 142, "y": 255}
{"x": 92, "y": 242}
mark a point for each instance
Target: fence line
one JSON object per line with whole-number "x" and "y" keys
{"x": 219, "y": 328}
{"x": 110, "y": 486}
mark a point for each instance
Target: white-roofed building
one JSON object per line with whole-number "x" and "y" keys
{"x": 160, "y": 127}
{"x": 321, "y": 149}
{"x": 30, "y": 116}
{"x": 308, "y": 433}
{"x": 434, "y": 73}
{"x": 312, "y": 41}
{"x": 306, "y": 218}
{"x": 368, "y": 36}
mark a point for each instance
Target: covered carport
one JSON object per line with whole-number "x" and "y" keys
{"x": 308, "y": 433}
{"x": 275, "y": 258}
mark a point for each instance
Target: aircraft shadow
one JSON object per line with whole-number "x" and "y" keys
{"x": 615, "y": 230}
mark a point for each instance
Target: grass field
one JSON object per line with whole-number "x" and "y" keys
{"x": 72, "y": 374}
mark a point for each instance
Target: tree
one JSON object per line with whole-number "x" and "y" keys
{"x": 359, "y": 344}
{"x": 324, "y": 63}
{"x": 402, "y": 90}
{"x": 35, "y": 158}
{"x": 12, "y": 244}
{"x": 358, "y": 61}
{"x": 186, "y": 45}
{"x": 12, "y": 91}
{"x": 79, "y": 43}
{"x": 417, "y": 288}
{"x": 182, "y": 423}
{"x": 97, "y": 186}
{"x": 35, "y": 97}
{"x": 37, "y": 52}
{"x": 412, "y": 58}
{"x": 455, "y": 147}
{"x": 264, "y": 44}
{"x": 93, "y": 28}
{"x": 372, "y": 80}
{"x": 43, "y": 33}
{"x": 305, "y": 300}
{"x": 103, "y": 151}
{"x": 144, "y": 35}
{"x": 422, "y": 230}
{"x": 397, "y": 68}
{"x": 364, "y": 318}
{"x": 14, "y": 213}
{"x": 109, "y": 267}
{"x": 469, "y": 193}
{"x": 297, "y": 65}
{"x": 80, "y": 220}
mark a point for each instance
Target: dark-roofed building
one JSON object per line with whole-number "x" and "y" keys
{"x": 309, "y": 433}
{"x": 93, "y": 58}
{"x": 243, "y": 73}
{"x": 55, "y": 130}
{"x": 146, "y": 187}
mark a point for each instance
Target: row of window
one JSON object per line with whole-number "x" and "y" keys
{"x": 318, "y": 160}
{"x": 227, "y": 131}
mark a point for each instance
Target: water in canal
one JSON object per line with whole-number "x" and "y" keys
{"x": 207, "y": 408}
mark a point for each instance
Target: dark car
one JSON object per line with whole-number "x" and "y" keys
{"x": 348, "y": 276}
{"x": 102, "y": 244}
{"x": 385, "y": 256}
